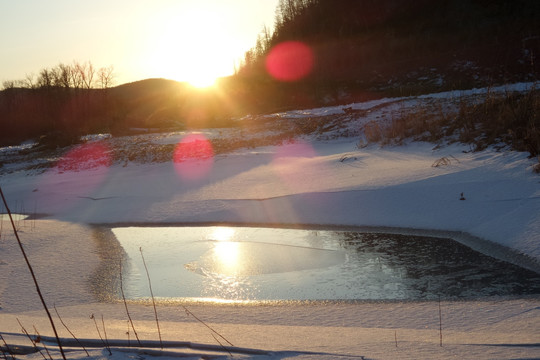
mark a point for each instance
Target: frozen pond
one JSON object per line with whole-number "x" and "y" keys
{"x": 248, "y": 263}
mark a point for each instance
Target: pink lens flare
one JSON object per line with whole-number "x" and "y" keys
{"x": 193, "y": 157}
{"x": 290, "y": 61}
{"x": 74, "y": 177}
{"x": 85, "y": 157}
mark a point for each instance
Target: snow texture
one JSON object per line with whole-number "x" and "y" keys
{"x": 312, "y": 182}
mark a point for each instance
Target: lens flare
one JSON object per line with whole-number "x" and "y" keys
{"x": 290, "y": 61}
{"x": 85, "y": 157}
{"x": 193, "y": 157}
{"x": 74, "y": 177}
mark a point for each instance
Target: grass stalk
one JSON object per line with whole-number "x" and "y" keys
{"x": 105, "y": 333}
{"x": 44, "y": 346}
{"x": 23, "y": 329}
{"x": 440, "y": 322}
{"x": 208, "y": 326}
{"x": 152, "y": 295}
{"x": 99, "y": 334}
{"x": 221, "y": 344}
{"x": 8, "y": 350}
{"x": 32, "y": 273}
{"x": 127, "y": 333}
{"x": 125, "y": 305}
{"x": 73, "y": 335}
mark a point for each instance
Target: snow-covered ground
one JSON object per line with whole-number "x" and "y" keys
{"x": 313, "y": 181}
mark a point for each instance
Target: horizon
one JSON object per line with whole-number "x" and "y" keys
{"x": 186, "y": 41}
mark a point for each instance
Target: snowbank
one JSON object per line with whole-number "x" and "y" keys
{"x": 311, "y": 182}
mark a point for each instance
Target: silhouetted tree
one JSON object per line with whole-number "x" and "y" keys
{"x": 60, "y": 99}
{"x": 105, "y": 77}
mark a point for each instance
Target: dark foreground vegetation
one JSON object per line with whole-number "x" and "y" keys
{"x": 361, "y": 49}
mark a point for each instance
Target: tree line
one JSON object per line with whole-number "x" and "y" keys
{"x": 64, "y": 100}
{"x": 79, "y": 75}
{"x": 365, "y": 44}
{"x": 286, "y": 13}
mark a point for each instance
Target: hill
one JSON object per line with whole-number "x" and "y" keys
{"x": 360, "y": 50}
{"x": 404, "y": 47}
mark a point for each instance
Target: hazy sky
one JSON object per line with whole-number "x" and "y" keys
{"x": 175, "y": 39}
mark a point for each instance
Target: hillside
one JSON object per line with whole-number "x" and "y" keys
{"x": 406, "y": 48}
{"x": 361, "y": 50}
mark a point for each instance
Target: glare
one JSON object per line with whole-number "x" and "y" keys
{"x": 226, "y": 252}
{"x": 191, "y": 44}
{"x": 222, "y": 233}
{"x": 202, "y": 80}
{"x": 227, "y": 255}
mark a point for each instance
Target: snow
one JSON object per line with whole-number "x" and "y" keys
{"x": 312, "y": 182}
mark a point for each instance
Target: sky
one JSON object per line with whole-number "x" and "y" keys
{"x": 184, "y": 40}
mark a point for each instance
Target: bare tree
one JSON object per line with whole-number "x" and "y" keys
{"x": 45, "y": 78}
{"x": 105, "y": 77}
{"x": 77, "y": 75}
{"x": 85, "y": 74}
{"x": 29, "y": 81}
{"x": 89, "y": 75}
{"x": 8, "y": 84}
{"x": 63, "y": 75}
{"x": 54, "y": 74}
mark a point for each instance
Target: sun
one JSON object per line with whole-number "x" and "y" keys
{"x": 192, "y": 44}
{"x": 202, "y": 80}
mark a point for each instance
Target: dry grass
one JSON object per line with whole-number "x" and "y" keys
{"x": 511, "y": 119}
{"x": 494, "y": 119}
{"x": 444, "y": 161}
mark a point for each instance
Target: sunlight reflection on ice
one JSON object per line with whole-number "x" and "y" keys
{"x": 252, "y": 258}
{"x": 249, "y": 263}
{"x": 223, "y": 262}
{"x": 15, "y": 217}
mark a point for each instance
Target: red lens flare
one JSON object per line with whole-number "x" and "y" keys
{"x": 85, "y": 157}
{"x": 74, "y": 177}
{"x": 290, "y": 61}
{"x": 193, "y": 157}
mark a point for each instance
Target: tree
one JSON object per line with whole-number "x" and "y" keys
{"x": 63, "y": 75}
{"x": 8, "y": 84}
{"x": 85, "y": 73}
{"x": 45, "y": 79}
{"x": 29, "y": 81}
{"x": 105, "y": 77}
